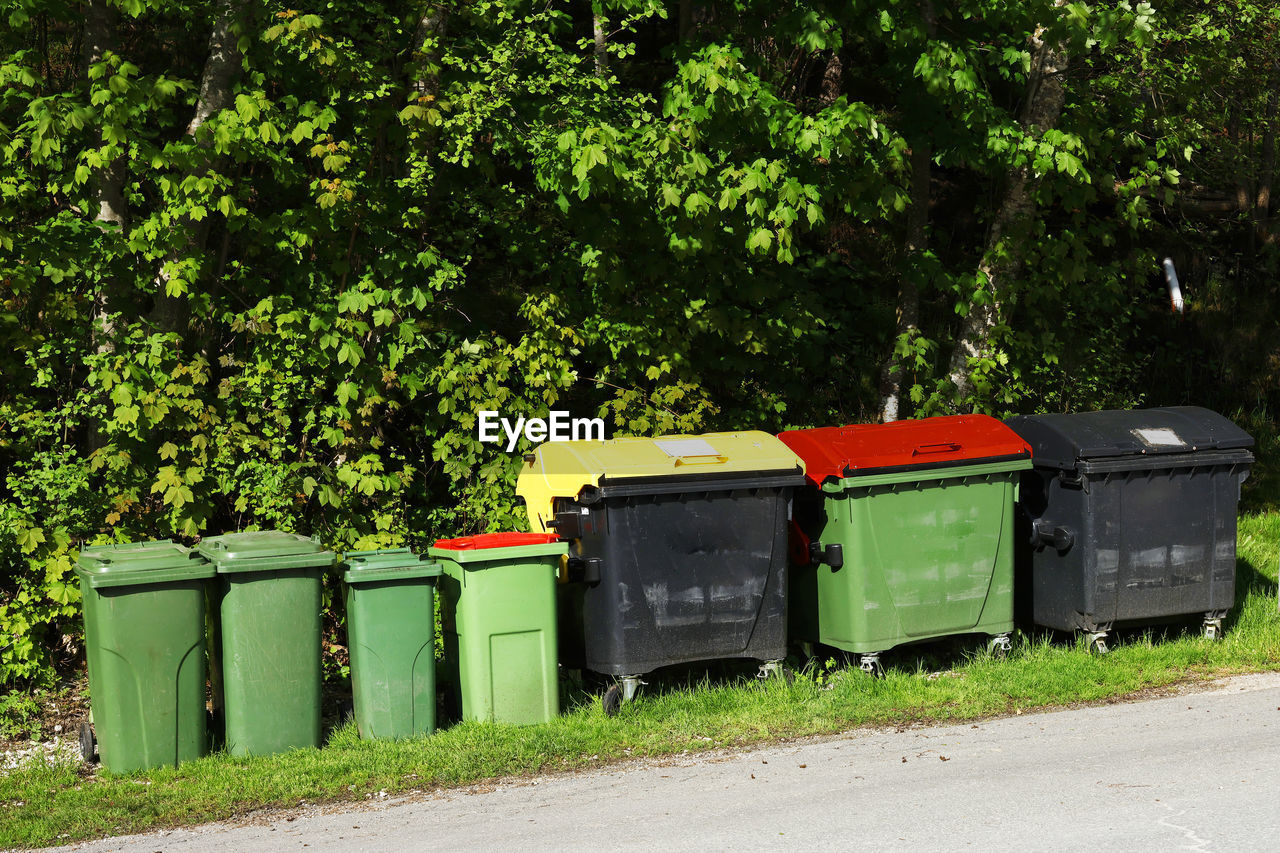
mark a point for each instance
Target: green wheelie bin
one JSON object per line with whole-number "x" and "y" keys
{"x": 144, "y": 628}
{"x": 905, "y": 533}
{"x": 391, "y": 635}
{"x": 498, "y": 617}
{"x": 268, "y": 618}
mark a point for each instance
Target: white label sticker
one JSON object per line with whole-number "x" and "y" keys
{"x": 679, "y": 447}
{"x": 1161, "y": 437}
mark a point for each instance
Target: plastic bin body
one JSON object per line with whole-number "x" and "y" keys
{"x": 678, "y": 547}
{"x": 498, "y": 621}
{"x": 923, "y": 512}
{"x": 390, "y": 598}
{"x": 144, "y": 607}
{"x": 1143, "y": 506}
{"x": 269, "y": 626}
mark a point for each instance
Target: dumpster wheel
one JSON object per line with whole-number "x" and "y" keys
{"x": 870, "y": 664}
{"x": 1098, "y": 642}
{"x": 776, "y": 669}
{"x": 1001, "y": 645}
{"x": 1213, "y": 625}
{"x": 619, "y": 693}
{"x": 88, "y": 742}
{"x": 611, "y": 701}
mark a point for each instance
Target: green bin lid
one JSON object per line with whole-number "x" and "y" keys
{"x": 131, "y": 563}
{"x": 390, "y": 564}
{"x": 264, "y": 550}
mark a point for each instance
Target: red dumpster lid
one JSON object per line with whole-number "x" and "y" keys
{"x": 850, "y": 451}
{"x": 495, "y": 540}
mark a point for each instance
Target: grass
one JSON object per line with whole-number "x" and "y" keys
{"x": 44, "y": 804}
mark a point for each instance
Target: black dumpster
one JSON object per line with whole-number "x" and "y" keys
{"x": 678, "y": 549}
{"x": 1129, "y": 517}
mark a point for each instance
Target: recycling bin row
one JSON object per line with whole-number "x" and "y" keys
{"x": 254, "y": 601}
{"x": 652, "y": 552}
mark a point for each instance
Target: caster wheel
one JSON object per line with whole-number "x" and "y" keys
{"x": 1001, "y": 646}
{"x": 611, "y": 701}
{"x": 870, "y": 664}
{"x": 1212, "y": 632}
{"x": 788, "y": 675}
{"x": 1100, "y": 645}
{"x": 88, "y": 743}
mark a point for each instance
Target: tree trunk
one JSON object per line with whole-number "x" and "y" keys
{"x": 832, "y": 77}
{"x": 686, "y": 20}
{"x": 1001, "y": 260}
{"x": 171, "y": 312}
{"x": 908, "y": 321}
{"x": 597, "y": 32}
{"x": 1262, "y": 203}
{"x": 108, "y": 184}
{"x": 909, "y": 284}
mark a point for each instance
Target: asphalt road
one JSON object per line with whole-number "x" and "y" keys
{"x": 1196, "y": 771}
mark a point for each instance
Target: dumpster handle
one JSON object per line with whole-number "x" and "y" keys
{"x": 700, "y": 460}
{"x": 941, "y": 447}
{"x": 1047, "y": 533}
{"x": 832, "y": 555}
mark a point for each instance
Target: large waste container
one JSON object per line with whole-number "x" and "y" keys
{"x": 678, "y": 549}
{"x": 269, "y": 624}
{"x": 498, "y": 619}
{"x": 144, "y": 628}
{"x": 905, "y": 533}
{"x": 1130, "y": 517}
{"x": 390, "y": 598}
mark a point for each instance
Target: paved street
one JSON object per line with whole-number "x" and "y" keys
{"x": 1197, "y": 771}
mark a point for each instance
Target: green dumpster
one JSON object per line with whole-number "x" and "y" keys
{"x": 391, "y": 633}
{"x": 498, "y": 617}
{"x": 269, "y": 620}
{"x": 905, "y": 533}
{"x": 144, "y": 606}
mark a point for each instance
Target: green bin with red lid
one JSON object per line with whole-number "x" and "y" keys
{"x": 904, "y": 533}
{"x": 498, "y": 619}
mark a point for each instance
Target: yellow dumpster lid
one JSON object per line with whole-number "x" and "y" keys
{"x": 634, "y": 465}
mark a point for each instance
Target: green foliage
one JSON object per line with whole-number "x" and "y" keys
{"x": 277, "y": 292}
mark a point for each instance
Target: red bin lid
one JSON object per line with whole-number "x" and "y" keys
{"x": 495, "y": 540}
{"x": 849, "y": 451}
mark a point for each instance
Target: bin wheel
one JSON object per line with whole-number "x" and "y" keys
{"x": 1100, "y": 644}
{"x": 1212, "y": 631}
{"x": 870, "y": 664}
{"x": 611, "y": 701}
{"x": 1001, "y": 645}
{"x": 88, "y": 743}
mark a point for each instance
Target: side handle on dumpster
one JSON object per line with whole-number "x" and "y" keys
{"x": 567, "y": 525}
{"x": 832, "y": 555}
{"x": 1047, "y": 533}
{"x": 585, "y": 570}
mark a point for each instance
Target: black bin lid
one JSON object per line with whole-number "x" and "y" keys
{"x": 1060, "y": 441}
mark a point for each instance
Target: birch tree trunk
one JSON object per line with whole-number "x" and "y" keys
{"x": 597, "y": 33}
{"x": 909, "y": 288}
{"x": 171, "y": 312}
{"x": 908, "y": 314}
{"x": 108, "y": 184}
{"x": 1001, "y": 261}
